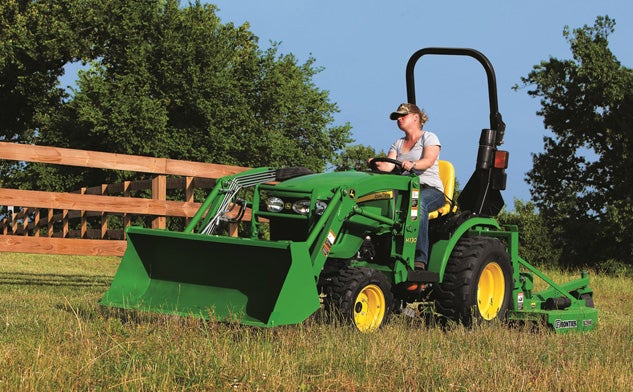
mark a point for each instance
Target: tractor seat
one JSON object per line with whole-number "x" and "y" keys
{"x": 447, "y": 175}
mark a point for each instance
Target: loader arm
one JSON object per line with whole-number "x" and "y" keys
{"x": 215, "y": 206}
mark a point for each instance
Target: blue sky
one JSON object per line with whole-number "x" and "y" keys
{"x": 363, "y": 47}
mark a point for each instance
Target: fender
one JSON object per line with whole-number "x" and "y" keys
{"x": 441, "y": 250}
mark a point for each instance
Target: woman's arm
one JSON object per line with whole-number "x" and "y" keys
{"x": 429, "y": 156}
{"x": 386, "y": 166}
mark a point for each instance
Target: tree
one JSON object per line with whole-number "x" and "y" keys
{"x": 535, "y": 243}
{"x": 173, "y": 81}
{"x": 583, "y": 181}
{"x": 355, "y": 158}
{"x": 37, "y": 38}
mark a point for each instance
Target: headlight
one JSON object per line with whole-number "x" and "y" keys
{"x": 274, "y": 204}
{"x": 301, "y": 207}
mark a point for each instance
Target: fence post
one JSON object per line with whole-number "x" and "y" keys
{"x": 25, "y": 221}
{"x": 126, "y": 217}
{"x": 159, "y": 192}
{"x": 36, "y": 223}
{"x": 104, "y": 216}
{"x": 14, "y": 225}
{"x": 64, "y": 223}
{"x": 50, "y": 223}
{"x": 82, "y": 214}
{"x": 189, "y": 193}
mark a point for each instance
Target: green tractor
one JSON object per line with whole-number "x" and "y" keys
{"x": 345, "y": 241}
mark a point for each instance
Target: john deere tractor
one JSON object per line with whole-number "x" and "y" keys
{"x": 345, "y": 242}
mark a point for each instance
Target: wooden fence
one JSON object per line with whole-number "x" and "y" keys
{"x": 40, "y": 222}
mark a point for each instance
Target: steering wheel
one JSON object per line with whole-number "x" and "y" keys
{"x": 396, "y": 170}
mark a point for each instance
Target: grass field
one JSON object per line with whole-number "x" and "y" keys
{"x": 55, "y": 337}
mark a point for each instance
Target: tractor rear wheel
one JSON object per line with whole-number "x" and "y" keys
{"x": 360, "y": 296}
{"x": 477, "y": 285}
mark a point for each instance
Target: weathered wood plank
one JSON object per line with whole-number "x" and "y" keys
{"x": 106, "y": 160}
{"x": 117, "y": 204}
{"x": 62, "y": 246}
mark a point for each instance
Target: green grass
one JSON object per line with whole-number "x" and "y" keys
{"x": 54, "y": 337}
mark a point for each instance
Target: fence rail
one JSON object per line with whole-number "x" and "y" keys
{"x": 40, "y": 222}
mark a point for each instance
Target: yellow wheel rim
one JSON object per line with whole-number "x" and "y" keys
{"x": 491, "y": 291}
{"x": 369, "y": 308}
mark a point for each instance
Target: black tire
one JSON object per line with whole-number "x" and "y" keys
{"x": 477, "y": 284}
{"x": 361, "y": 297}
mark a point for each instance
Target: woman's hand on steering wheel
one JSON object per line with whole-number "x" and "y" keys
{"x": 398, "y": 169}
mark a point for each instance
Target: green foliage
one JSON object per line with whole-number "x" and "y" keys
{"x": 582, "y": 181}
{"x": 37, "y": 39}
{"x": 171, "y": 81}
{"x": 616, "y": 268}
{"x": 535, "y": 243}
{"x": 355, "y": 158}
{"x": 32, "y": 56}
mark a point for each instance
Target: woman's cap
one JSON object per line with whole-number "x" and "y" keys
{"x": 404, "y": 109}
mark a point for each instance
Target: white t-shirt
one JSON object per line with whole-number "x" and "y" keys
{"x": 430, "y": 176}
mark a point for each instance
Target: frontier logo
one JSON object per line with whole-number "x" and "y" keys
{"x": 562, "y": 324}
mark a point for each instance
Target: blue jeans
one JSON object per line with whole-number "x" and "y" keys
{"x": 430, "y": 200}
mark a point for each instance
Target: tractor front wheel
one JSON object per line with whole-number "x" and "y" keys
{"x": 360, "y": 296}
{"x": 477, "y": 284}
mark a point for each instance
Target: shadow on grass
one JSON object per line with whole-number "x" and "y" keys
{"x": 125, "y": 316}
{"x": 34, "y": 279}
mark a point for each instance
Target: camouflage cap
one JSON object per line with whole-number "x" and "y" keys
{"x": 404, "y": 109}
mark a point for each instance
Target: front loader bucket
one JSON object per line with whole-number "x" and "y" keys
{"x": 253, "y": 282}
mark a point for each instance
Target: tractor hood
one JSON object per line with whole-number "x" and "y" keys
{"x": 360, "y": 183}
